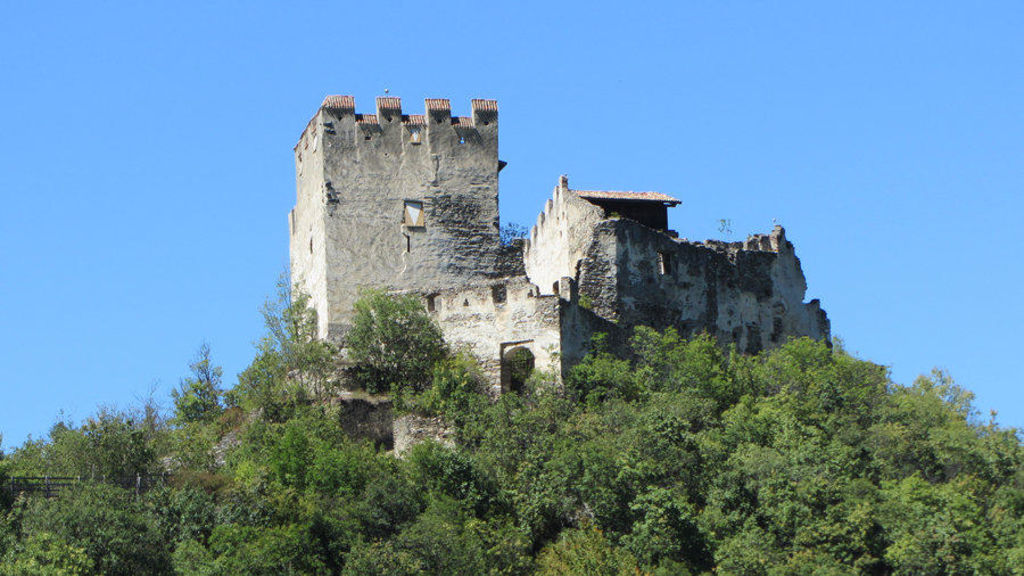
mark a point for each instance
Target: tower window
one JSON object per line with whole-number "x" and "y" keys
{"x": 664, "y": 263}
{"x": 413, "y": 213}
{"x": 414, "y": 136}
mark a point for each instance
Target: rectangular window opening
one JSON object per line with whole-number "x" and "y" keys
{"x": 413, "y": 213}
{"x": 499, "y": 293}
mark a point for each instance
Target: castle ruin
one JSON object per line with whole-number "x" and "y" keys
{"x": 409, "y": 202}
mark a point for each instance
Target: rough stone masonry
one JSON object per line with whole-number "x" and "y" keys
{"x": 409, "y": 202}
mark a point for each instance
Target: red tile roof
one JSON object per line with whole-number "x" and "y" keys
{"x": 485, "y": 105}
{"x": 414, "y": 119}
{"x": 462, "y": 121}
{"x": 389, "y": 103}
{"x": 627, "y": 196}
{"x": 366, "y": 118}
{"x": 339, "y": 102}
{"x": 438, "y": 104}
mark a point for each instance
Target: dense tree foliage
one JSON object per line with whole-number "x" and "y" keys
{"x": 393, "y": 342}
{"x": 677, "y": 457}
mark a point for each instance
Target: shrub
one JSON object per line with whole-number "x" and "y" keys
{"x": 393, "y": 342}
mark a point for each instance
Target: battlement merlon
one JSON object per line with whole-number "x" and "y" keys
{"x": 481, "y": 127}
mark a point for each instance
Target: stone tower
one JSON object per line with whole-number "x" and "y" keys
{"x": 392, "y": 200}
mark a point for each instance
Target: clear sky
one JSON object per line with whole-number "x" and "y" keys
{"x": 146, "y": 166}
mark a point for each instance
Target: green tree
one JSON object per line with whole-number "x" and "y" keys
{"x": 115, "y": 530}
{"x": 602, "y": 376}
{"x": 198, "y": 397}
{"x": 292, "y": 364}
{"x": 457, "y": 389}
{"x": 5, "y": 496}
{"x": 43, "y": 554}
{"x": 585, "y": 552}
{"x": 393, "y": 342}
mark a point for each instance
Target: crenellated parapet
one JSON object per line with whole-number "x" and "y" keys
{"x": 560, "y": 237}
{"x": 435, "y": 127}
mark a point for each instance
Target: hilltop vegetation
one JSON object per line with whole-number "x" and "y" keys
{"x": 676, "y": 458}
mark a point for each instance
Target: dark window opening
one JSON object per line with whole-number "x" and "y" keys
{"x": 499, "y": 293}
{"x": 517, "y": 365}
{"x": 554, "y": 287}
{"x": 431, "y": 303}
{"x": 408, "y": 243}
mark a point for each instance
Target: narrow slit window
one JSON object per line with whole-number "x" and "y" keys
{"x": 408, "y": 243}
{"x": 413, "y": 213}
{"x": 664, "y": 263}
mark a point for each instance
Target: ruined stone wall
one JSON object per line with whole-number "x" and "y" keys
{"x": 373, "y": 164}
{"x": 749, "y": 294}
{"x": 491, "y": 319}
{"x": 560, "y": 238}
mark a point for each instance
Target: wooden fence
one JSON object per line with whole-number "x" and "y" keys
{"x": 51, "y": 486}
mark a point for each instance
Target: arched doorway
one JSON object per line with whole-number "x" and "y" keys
{"x": 516, "y": 366}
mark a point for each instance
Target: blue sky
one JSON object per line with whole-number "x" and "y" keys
{"x": 146, "y": 168}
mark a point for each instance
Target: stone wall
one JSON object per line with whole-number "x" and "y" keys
{"x": 372, "y": 166}
{"x": 560, "y": 238}
{"x": 367, "y": 418}
{"x": 492, "y": 319}
{"x": 412, "y": 429}
{"x": 306, "y": 221}
{"x": 749, "y": 294}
